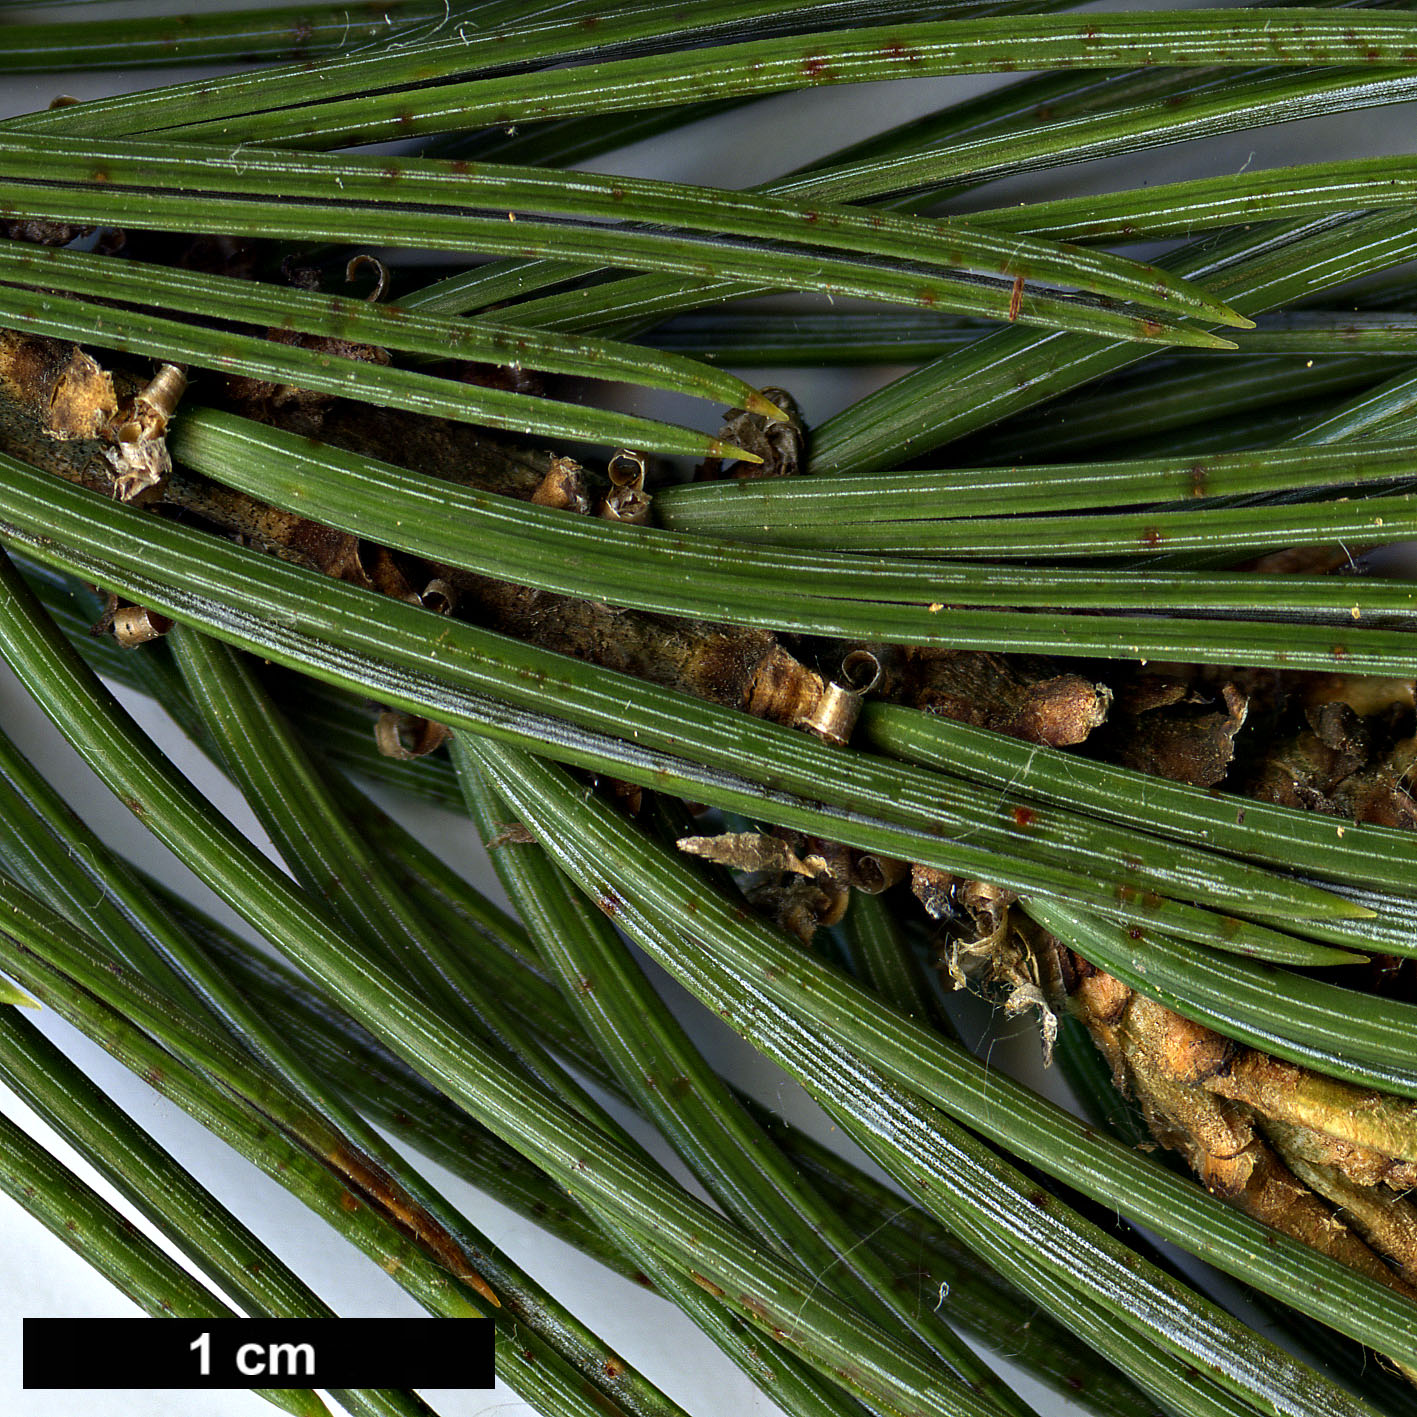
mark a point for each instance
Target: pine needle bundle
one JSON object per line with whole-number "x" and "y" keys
{"x": 365, "y": 406}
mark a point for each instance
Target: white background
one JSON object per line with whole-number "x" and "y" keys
{"x": 40, "y": 1276}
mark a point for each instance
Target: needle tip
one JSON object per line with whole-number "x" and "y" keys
{"x": 719, "y": 449}
{"x": 758, "y": 403}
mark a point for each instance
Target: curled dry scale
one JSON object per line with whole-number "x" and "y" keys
{"x": 1051, "y": 673}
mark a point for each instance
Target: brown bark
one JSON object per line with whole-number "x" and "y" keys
{"x": 1176, "y": 1071}
{"x": 1023, "y": 696}
{"x": 1165, "y": 726}
{"x": 62, "y": 411}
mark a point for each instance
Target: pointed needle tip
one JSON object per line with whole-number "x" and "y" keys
{"x": 1311, "y": 956}
{"x": 10, "y": 994}
{"x": 478, "y": 1284}
{"x": 719, "y": 449}
{"x": 1330, "y": 905}
{"x": 1182, "y": 336}
{"x": 1349, "y": 957}
{"x": 756, "y": 403}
